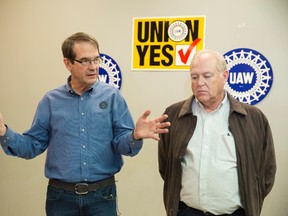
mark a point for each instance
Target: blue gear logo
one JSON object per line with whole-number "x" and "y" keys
{"x": 250, "y": 75}
{"x": 109, "y": 71}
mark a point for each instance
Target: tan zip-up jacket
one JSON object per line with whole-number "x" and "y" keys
{"x": 256, "y": 163}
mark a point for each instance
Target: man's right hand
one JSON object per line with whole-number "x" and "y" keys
{"x": 2, "y": 126}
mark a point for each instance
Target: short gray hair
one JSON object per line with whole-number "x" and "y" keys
{"x": 221, "y": 63}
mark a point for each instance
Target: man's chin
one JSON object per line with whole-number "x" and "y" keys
{"x": 202, "y": 98}
{"x": 91, "y": 81}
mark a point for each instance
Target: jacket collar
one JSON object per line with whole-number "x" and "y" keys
{"x": 186, "y": 108}
{"x": 235, "y": 105}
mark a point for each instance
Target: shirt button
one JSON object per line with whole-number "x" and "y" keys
{"x": 83, "y": 129}
{"x": 82, "y": 114}
{"x": 84, "y": 146}
{"x": 84, "y": 163}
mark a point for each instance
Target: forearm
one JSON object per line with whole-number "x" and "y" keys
{"x": 23, "y": 145}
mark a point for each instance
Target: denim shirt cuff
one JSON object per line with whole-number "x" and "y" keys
{"x": 135, "y": 143}
{"x": 5, "y": 140}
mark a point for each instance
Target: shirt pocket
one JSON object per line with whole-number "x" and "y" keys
{"x": 226, "y": 148}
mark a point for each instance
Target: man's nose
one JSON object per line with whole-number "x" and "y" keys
{"x": 93, "y": 65}
{"x": 201, "y": 81}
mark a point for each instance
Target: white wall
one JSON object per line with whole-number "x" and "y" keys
{"x": 31, "y": 33}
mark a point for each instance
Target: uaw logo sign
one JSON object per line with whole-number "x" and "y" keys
{"x": 109, "y": 71}
{"x": 250, "y": 75}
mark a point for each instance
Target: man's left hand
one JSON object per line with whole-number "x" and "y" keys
{"x": 146, "y": 128}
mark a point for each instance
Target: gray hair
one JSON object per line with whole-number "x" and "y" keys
{"x": 221, "y": 63}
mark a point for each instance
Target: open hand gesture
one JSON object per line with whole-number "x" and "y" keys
{"x": 146, "y": 128}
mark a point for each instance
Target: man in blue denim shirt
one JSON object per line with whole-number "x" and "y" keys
{"x": 86, "y": 127}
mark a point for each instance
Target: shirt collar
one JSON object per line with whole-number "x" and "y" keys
{"x": 70, "y": 90}
{"x": 224, "y": 101}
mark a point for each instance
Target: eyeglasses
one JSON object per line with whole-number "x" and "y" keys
{"x": 88, "y": 62}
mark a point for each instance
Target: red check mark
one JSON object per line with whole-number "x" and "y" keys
{"x": 184, "y": 57}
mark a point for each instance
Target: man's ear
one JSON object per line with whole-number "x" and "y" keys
{"x": 225, "y": 75}
{"x": 67, "y": 63}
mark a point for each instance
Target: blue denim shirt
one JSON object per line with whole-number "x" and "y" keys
{"x": 85, "y": 136}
